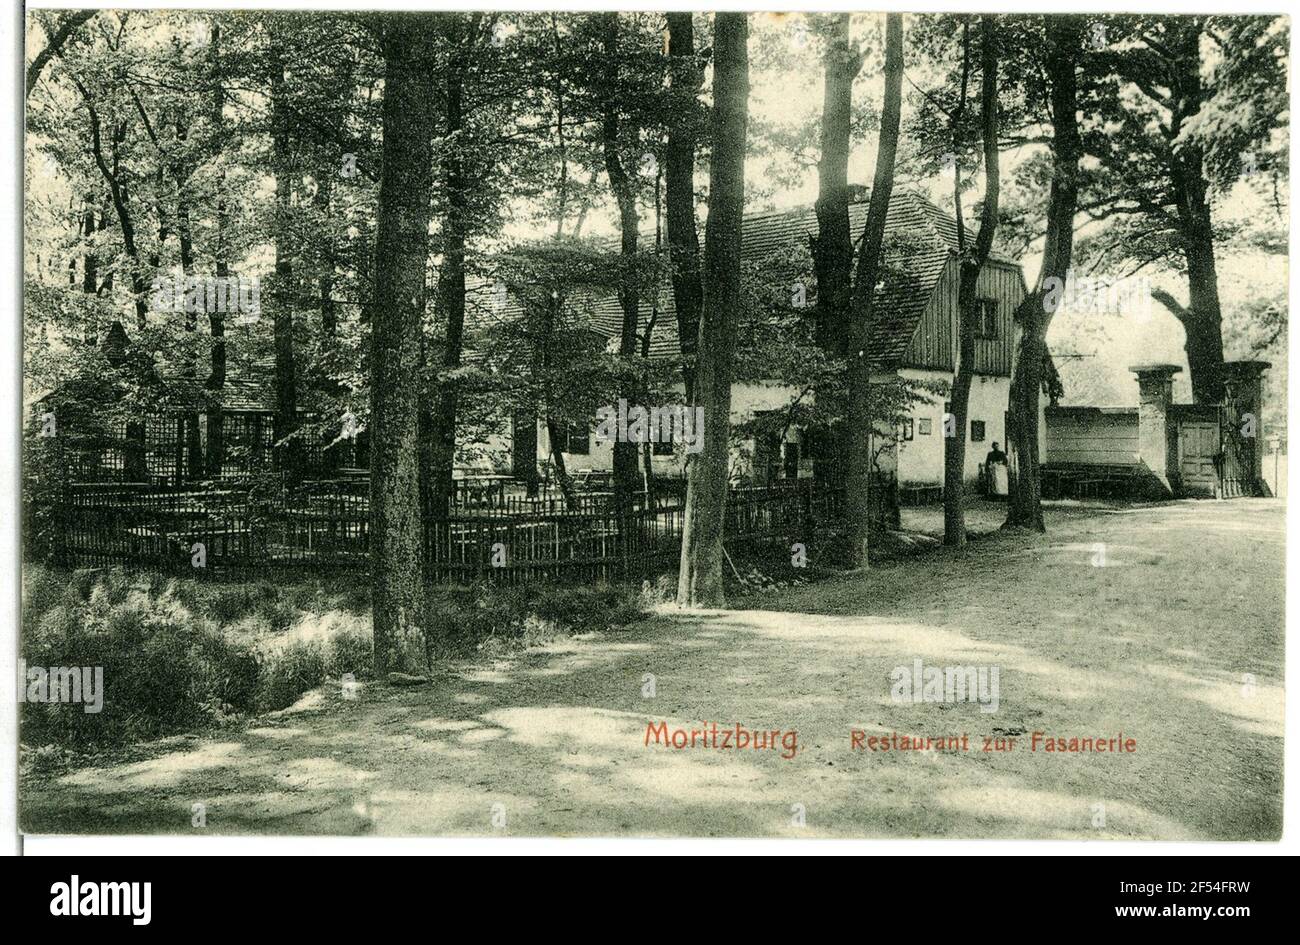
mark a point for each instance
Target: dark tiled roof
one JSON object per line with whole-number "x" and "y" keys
{"x": 249, "y": 387}
{"x": 920, "y": 238}
{"x": 249, "y": 391}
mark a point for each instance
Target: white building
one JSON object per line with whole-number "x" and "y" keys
{"x": 914, "y": 335}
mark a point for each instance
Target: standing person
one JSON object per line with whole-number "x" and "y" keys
{"x": 995, "y": 472}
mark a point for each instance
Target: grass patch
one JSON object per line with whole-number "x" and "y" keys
{"x": 461, "y": 621}
{"x": 183, "y": 654}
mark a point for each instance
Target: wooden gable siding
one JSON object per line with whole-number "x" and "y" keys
{"x": 934, "y": 346}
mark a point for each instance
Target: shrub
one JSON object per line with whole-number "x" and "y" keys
{"x": 288, "y": 669}
{"x": 171, "y": 655}
{"x": 460, "y": 620}
{"x": 351, "y": 651}
{"x": 180, "y": 653}
{"x": 164, "y": 669}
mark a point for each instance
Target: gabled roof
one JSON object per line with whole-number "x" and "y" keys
{"x": 248, "y": 389}
{"x": 920, "y": 238}
{"x": 249, "y": 386}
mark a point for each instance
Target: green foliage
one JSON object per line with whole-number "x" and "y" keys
{"x": 463, "y": 620}
{"x": 181, "y": 655}
{"x": 546, "y": 304}
{"x": 164, "y": 669}
{"x": 177, "y": 654}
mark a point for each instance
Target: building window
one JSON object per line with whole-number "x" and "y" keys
{"x": 572, "y": 438}
{"x": 924, "y": 426}
{"x": 977, "y": 431}
{"x": 988, "y": 319}
{"x": 662, "y": 448}
{"x": 906, "y": 430}
{"x": 790, "y": 460}
{"x": 767, "y": 457}
{"x": 579, "y": 440}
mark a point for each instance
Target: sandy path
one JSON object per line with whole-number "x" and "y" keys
{"x": 1152, "y": 635}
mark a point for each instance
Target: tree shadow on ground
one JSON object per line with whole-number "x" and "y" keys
{"x": 554, "y": 741}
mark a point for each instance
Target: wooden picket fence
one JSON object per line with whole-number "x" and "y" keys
{"x": 326, "y": 528}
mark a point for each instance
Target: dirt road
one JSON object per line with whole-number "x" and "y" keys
{"x": 1162, "y": 623}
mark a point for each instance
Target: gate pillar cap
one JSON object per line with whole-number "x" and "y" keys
{"x": 1170, "y": 369}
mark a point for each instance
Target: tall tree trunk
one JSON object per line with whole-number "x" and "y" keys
{"x": 288, "y": 446}
{"x": 562, "y": 479}
{"x": 679, "y": 184}
{"x": 451, "y": 294}
{"x": 700, "y": 577}
{"x": 1034, "y": 313}
{"x": 324, "y": 263}
{"x": 832, "y": 247}
{"x": 90, "y": 265}
{"x": 136, "y": 458}
{"x": 971, "y": 263}
{"x": 1204, "y": 316}
{"x": 523, "y": 449}
{"x": 544, "y": 364}
{"x": 216, "y": 448}
{"x": 329, "y": 317}
{"x": 647, "y": 458}
{"x": 117, "y": 191}
{"x": 401, "y": 256}
{"x": 858, "y": 432}
{"x": 1202, "y": 323}
{"x": 629, "y": 295}
{"x": 194, "y": 464}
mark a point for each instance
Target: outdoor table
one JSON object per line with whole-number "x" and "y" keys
{"x": 487, "y": 489}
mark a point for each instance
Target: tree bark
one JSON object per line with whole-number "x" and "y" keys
{"x": 700, "y": 577}
{"x": 288, "y": 448}
{"x": 971, "y": 262}
{"x": 629, "y": 295}
{"x": 90, "y": 264}
{"x": 329, "y": 317}
{"x": 401, "y": 256}
{"x": 1203, "y": 324}
{"x": 832, "y": 247}
{"x": 451, "y": 300}
{"x": 679, "y": 186}
{"x": 117, "y": 191}
{"x": 858, "y": 431}
{"x": 562, "y": 479}
{"x": 1034, "y": 313}
{"x": 194, "y": 460}
{"x": 551, "y": 309}
{"x": 216, "y": 447}
{"x": 523, "y": 449}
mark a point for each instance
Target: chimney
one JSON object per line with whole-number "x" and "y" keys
{"x": 1157, "y": 436}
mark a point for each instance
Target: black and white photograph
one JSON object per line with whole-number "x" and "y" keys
{"x": 660, "y": 425}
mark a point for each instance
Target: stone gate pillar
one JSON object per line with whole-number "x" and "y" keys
{"x": 1157, "y": 435}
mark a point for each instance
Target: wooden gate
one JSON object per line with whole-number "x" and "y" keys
{"x": 1216, "y": 453}
{"x": 1199, "y": 451}
{"x": 1237, "y": 471}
